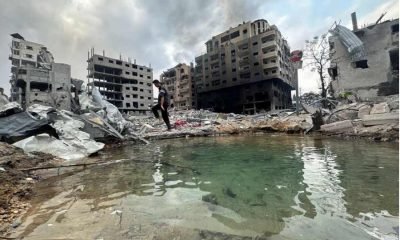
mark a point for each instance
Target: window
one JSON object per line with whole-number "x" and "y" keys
{"x": 235, "y": 34}
{"x": 141, "y": 97}
{"x": 126, "y": 65}
{"x": 394, "y": 58}
{"x": 255, "y": 43}
{"x": 119, "y": 62}
{"x": 233, "y": 69}
{"x": 273, "y": 71}
{"x": 148, "y": 70}
{"x": 134, "y": 66}
{"x": 244, "y": 31}
{"x": 149, "y": 91}
{"x": 141, "y": 68}
{"x": 225, "y": 38}
{"x": 16, "y": 52}
{"x": 141, "y": 75}
{"x": 134, "y": 96}
{"x": 395, "y": 28}
{"x": 256, "y": 74}
{"x": 100, "y": 58}
{"x": 31, "y": 48}
{"x": 127, "y": 88}
{"x": 110, "y": 61}
{"x": 361, "y": 64}
{"x": 256, "y": 64}
{"x": 234, "y": 79}
{"x": 128, "y": 96}
{"x": 28, "y": 56}
{"x": 141, "y": 83}
{"x": 149, "y": 98}
{"x": 223, "y": 81}
{"x": 141, "y": 104}
{"x": 141, "y": 90}
{"x": 127, "y": 73}
{"x": 255, "y": 54}
{"x": 234, "y": 60}
{"x": 128, "y": 105}
{"x": 148, "y": 77}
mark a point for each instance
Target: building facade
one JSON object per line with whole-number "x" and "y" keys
{"x": 36, "y": 78}
{"x": 379, "y": 74}
{"x": 126, "y": 85}
{"x": 179, "y": 83}
{"x": 246, "y": 70}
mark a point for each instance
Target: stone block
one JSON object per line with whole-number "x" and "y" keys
{"x": 338, "y": 127}
{"x": 380, "y": 108}
{"x": 380, "y": 119}
{"x": 364, "y": 110}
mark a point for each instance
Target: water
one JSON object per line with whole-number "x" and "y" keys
{"x": 270, "y": 187}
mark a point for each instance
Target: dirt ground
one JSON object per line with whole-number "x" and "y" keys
{"x": 16, "y": 185}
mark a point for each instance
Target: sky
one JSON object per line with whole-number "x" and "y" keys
{"x": 166, "y": 32}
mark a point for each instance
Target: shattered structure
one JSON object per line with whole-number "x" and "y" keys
{"x": 126, "y": 85}
{"x": 365, "y": 61}
{"x": 246, "y": 70}
{"x": 179, "y": 83}
{"x": 36, "y": 78}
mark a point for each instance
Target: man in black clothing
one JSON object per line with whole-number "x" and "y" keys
{"x": 163, "y": 103}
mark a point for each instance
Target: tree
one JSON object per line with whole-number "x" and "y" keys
{"x": 317, "y": 57}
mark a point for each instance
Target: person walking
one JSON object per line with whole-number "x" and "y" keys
{"x": 163, "y": 103}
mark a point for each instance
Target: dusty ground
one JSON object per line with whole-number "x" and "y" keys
{"x": 16, "y": 185}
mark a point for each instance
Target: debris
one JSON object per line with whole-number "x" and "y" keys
{"x": 380, "y": 119}
{"x": 364, "y": 110}
{"x": 338, "y": 127}
{"x": 380, "y": 108}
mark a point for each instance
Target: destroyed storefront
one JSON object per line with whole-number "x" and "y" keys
{"x": 365, "y": 62}
{"x": 251, "y": 98}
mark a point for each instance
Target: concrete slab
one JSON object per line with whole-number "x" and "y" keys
{"x": 379, "y": 119}
{"x": 380, "y": 108}
{"x": 338, "y": 127}
{"x": 364, "y": 110}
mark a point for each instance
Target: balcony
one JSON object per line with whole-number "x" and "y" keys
{"x": 244, "y": 62}
{"x": 270, "y": 65}
{"x": 268, "y": 44}
{"x": 270, "y": 54}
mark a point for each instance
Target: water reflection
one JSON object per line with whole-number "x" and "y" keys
{"x": 280, "y": 186}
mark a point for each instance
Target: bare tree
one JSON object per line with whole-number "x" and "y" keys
{"x": 317, "y": 57}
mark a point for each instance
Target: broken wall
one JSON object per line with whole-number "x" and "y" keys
{"x": 379, "y": 78}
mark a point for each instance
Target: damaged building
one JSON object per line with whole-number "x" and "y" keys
{"x": 246, "y": 70}
{"x": 179, "y": 83}
{"x": 125, "y": 84}
{"x": 37, "y": 79}
{"x": 365, "y": 61}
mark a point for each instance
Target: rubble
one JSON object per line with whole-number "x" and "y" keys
{"x": 380, "y": 108}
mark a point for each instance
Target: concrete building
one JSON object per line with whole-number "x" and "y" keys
{"x": 124, "y": 84}
{"x": 180, "y": 85}
{"x": 36, "y": 78}
{"x": 379, "y": 74}
{"x": 246, "y": 70}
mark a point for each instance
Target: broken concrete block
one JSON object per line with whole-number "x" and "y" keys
{"x": 380, "y": 108}
{"x": 364, "y": 110}
{"x": 379, "y": 119}
{"x": 338, "y": 127}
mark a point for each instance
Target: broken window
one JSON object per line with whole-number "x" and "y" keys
{"x": 134, "y": 66}
{"x": 134, "y": 96}
{"x": 28, "y": 56}
{"x": 127, "y": 88}
{"x": 128, "y": 96}
{"x": 141, "y": 68}
{"x": 244, "y": 31}
{"x": 31, "y": 48}
{"x": 333, "y": 72}
{"x": 395, "y": 28}
{"x": 135, "y": 104}
{"x": 394, "y": 58}
{"x": 110, "y": 61}
{"x": 100, "y": 58}
{"x": 128, "y": 105}
{"x": 256, "y": 64}
{"x": 16, "y": 52}
{"x": 127, "y": 65}
{"x": 361, "y": 64}
{"x": 225, "y": 38}
{"x": 119, "y": 62}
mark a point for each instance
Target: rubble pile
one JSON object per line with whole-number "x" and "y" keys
{"x": 377, "y": 121}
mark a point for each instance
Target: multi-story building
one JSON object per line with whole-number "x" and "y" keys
{"x": 179, "y": 83}
{"x": 126, "y": 85}
{"x": 246, "y": 70}
{"x": 377, "y": 72}
{"x": 36, "y": 78}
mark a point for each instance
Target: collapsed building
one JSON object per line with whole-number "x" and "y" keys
{"x": 36, "y": 78}
{"x": 179, "y": 83}
{"x": 365, "y": 61}
{"x": 125, "y": 84}
{"x": 246, "y": 70}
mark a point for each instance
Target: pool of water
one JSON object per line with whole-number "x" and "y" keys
{"x": 242, "y": 187}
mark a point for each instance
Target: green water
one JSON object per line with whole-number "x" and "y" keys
{"x": 270, "y": 187}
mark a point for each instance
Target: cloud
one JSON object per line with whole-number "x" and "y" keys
{"x": 160, "y": 32}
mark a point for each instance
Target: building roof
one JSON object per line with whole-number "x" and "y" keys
{"x": 17, "y": 35}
